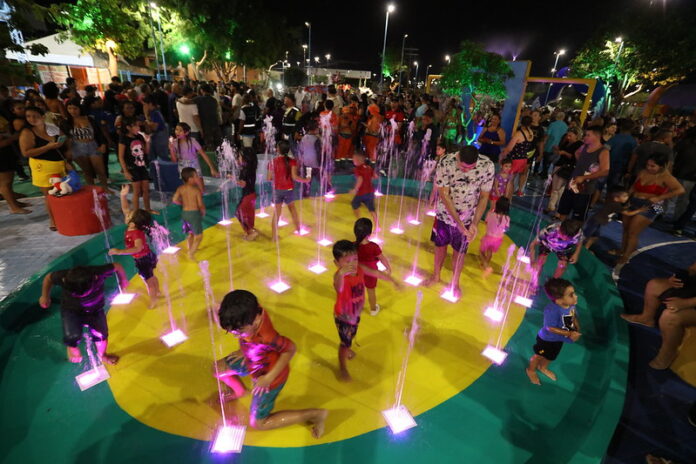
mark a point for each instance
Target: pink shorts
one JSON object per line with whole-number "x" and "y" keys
{"x": 491, "y": 244}
{"x": 518, "y": 166}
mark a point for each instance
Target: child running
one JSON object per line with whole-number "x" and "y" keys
{"x": 265, "y": 356}
{"x": 369, "y": 254}
{"x": 364, "y": 191}
{"x": 561, "y": 326}
{"x": 246, "y": 209}
{"x": 137, "y": 222}
{"x": 82, "y": 304}
{"x": 190, "y": 197}
{"x": 497, "y": 222}
{"x": 564, "y": 239}
{"x": 283, "y": 171}
{"x": 132, "y": 155}
{"x": 349, "y": 283}
{"x": 184, "y": 150}
{"x": 502, "y": 187}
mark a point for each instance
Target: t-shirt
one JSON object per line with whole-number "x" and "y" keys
{"x": 366, "y": 173}
{"x": 282, "y": 172}
{"x": 186, "y": 113}
{"x": 132, "y": 236}
{"x": 237, "y": 102}
{"x": 135, "y": 155}
{"x": 92, "y": 300}
{"x": 550, "y": 237}
{"x": 207, "y": 110}
{"x": 368, "y": 253}
{"x": 464, "y": 187}
{"x": 558, "y": 317}
{"x": 187, "y": 149}
{"x": 310, "y": 148}
{"x": 496, "y": 224}
{"x": 351, "y": 299}
{"x": 554, "y": 134}
{"x": 156, "y": 117}
{"x": 262, "y": 350}
{"x": 621, "y": 147}
{"x": 645, "y": 150}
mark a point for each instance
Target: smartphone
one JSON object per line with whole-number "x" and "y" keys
{"x": 61, "y": 139}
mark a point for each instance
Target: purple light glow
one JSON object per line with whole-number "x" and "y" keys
{"x": 317, "y": 268}
{"x": 431, "y": 213}
{"x": 523, "y": 301}
{"x": 449, "y": 296}
{"x": 225, "y": 222}
{"x": 378, "y": 193}
{"x": 302, "y": 232}
{"x": 324, "y": 242}
{"x": 123, "y": 298}
{"x": 278, "y": 286}
{"x": 396, "y": 230}
{"x": 494, "y": 354}
{"x": 398, "y": 419}
{"x": 229, "y": 439}
{"x": 90, "y": 378}
{"x": 174, "y": 337}
{"x": 329, "y": 196}
{"x": 170, "y": 250}
{"x": 493, "y": 313}
{"x": 414, "y": 280}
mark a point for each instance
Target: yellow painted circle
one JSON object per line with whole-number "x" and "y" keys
{"x": 173, "y": 390}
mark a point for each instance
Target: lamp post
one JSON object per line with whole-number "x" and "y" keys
{"x": 154, "y": 39}
{"x": 401, "y": 63}
{"x": 161, "y": 38}
{"x": 308, "y": 25}
{"x": 390, "y": 9}
{"x": 415, "y": 63}
{"x": 447, "y": 59}
{"x": 328, "y": 57}
{"x": 553, "y": 72}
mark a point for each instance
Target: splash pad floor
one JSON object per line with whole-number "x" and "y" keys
{"x": 464, "y": 409}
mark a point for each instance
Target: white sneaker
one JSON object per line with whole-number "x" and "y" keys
{"x": 374, "y": 312}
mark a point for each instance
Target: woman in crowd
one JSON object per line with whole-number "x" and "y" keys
{"x": 492, "y": 139}
{"x": 86, "y": 143}
{"x": 518, "y": 147}
{"x": 563, "y": 168}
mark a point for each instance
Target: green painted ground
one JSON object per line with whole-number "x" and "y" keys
{"x": 501, "y": 418}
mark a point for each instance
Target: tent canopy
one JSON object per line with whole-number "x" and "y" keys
{"x": 64, "y": 53}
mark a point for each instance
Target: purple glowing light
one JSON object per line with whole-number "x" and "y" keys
{"x": 378, "y": 193}
{"x": 170, "y": 250}
{"x": 262, "y": 214}
{"x": 123, "y": 298}
{"x": 324, "y": 242}
{"x": 279, "y": 286}
{"x": 414, "y": 280}
{"x": 494, "y": 354}
{"x": 398, "y": 419}
{"x": 523, "y": 301}
{"x": 302, "y": 232}
{"x": 431, "y": 213}
{"x": 415, "y": 222}
{"x": 282, "y": 222}
{"x": 329, "y": 196}
{"x": 90, "y": 378}
{"x": 174, "y": 337}
{"x": 225, "y": 222}
{"x": 229, "y": 439}
{"x": 493, "y": 313}
{"x": 317, "y": 268}
{"x": 449, "y": 296}
{"x": 396, "y": 230}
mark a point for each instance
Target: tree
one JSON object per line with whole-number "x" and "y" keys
{"x": 473, "y": 73}
{"x": 392, "y": 63}
{"x": 16, "y": 22}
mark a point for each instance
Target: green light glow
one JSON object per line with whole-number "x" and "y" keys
{"x": 184, "y": 49}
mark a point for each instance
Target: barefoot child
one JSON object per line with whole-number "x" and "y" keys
{"x": 184, "y": 150}
{"x": 497, "y": 222}
{"x": 349, "y": 283}
{"x": 132, "y": 154}
{"x": 364, "y": 191}
{"x": 246, "y": 209}
{"x": 190, "y": 197}
{"x": 283, "y": 172}
{"x": 82, "y": 304}
{"x": 265, "y": 356}
{"x": 564, "y": 239}
{"x": 560, "y": 326}
{"x": 137, "y": 222}
{"x": 502, "y": 187}
{"x": 369, "y": 254}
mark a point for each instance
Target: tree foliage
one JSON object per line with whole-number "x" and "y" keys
{"x": 24, "y": 15}
{"x": 392, "y": 63}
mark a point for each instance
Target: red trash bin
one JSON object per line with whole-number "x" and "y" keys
{"x": 74, "y": 214}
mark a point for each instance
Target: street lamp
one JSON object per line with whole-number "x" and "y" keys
{"x": 447, "y": 59}
{"x": 415, "y": 63}
{"x": 427, "y": 70}
{"x": 316, "y": 59}
{"x": 154, "y": 38}
{"x": 553, "y": 72}
{"x": 390, "y": 9}
{"x": 619, "y": 40}
{"x": 401, "y": 63}
{"x": 328, "y": 57}
{"x": 161, "y": 37}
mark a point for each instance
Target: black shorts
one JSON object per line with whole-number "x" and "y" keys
{"x": 146, "y": 265}
{"x": 74, "y": 320}
{"x": 139, "y": 173}
{"x": 444, "y": 234}
{"x": 346, "y": 331}
{"x": 563, "y": 255}
{"x": 546, "y": 349}
{"x": 368, "y": 200}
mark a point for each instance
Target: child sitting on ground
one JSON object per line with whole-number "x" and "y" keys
{"x": 502, "y": 187}
{"x": 564, "y": 239}
{"x": 349, "y": 283}
{"x": 82, "y": 304}
{"x": 616, "y": 204}
{"x": 137, "y": 222}
{"x": 364, "y": 191}
{"x": 369, "y": 254}
{"x": 283, "y": 173}
{"x": 190, "y": 197}
{"x": 497, "y": 222}
{"x": 560, "y": 326}
{"x": 265, "y": 356}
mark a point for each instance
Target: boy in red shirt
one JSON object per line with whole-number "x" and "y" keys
{"x": 349, "y": 283}
{"x": 364, "y": 191}
{"x": 265, "y": 356}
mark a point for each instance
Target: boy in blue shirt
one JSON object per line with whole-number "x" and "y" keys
{"x": 560, "y": 326}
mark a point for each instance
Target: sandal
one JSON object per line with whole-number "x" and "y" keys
{"x": 52, "y": 228}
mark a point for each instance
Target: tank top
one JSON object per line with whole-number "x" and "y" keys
{"x": 587, "y": 163}
{"x": 490, "y": 150}
{"x": 520, "y": 150}
{"x": 82, "y": 134}
{"x": 51, "y": 155}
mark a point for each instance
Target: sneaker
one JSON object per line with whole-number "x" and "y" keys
{"x": 374, "y": 312}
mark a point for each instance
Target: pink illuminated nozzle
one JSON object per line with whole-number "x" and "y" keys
{"x": 225, "y": 222}
{"x": 449, "y": 296}
{"x": 396, "y": 230}
{"x": 170, "y": 250}
{"x": 174, "y": 337}
{"x": 302, "y": 232}
{"x": 431, "y": 213}
{"x": 324, "y": 242}
{"x": 398, "y": 419}
{"x": 523, "y": 301}
{"x": 493, "y": 313}
{"x": 262, "y": 214}
{"x": 524, "y": 259}
{"x": 330, "y": 196}
{"x": 494, "y": 354}
{"x": 317, "y": 268}
{"x": 378, "y": 193}
{"x": 414, "y": 280}
{"x": 282, "y": 222}
{"x": 229, "y": 439}
{"x": 377, "y": 240}
{"x": 414, "y": 222}
{"x": 279, "y": 286}
{"x": 90, "y": 378}
{"x": 123, "y": 298}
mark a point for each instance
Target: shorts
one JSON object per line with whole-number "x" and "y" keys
{"x": 367, "y": 199}
{"x": 563, "y": 255}
{"x": 42, "y": 171}
{"x": 73, "y": 321}
{"x": 190, "y": 164}
{"x": 192, "y": 222}
{"x": 261, "y": 404}
{"x": 444, "y": 234}
{"x": 346, "y": 331}
{"x": 546, "y": 349}
{"x": 490, "y": 243}
{"x": 146, "y": 265}
{"x": 655, "y": 209}
{"x": 139, "y": 173}
{"x": 519, "y": 166}
{"x": 84, "y": 149}
{"x": 283, "y": 196}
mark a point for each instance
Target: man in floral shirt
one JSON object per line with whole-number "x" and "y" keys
{"x": 463, "y": 180}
